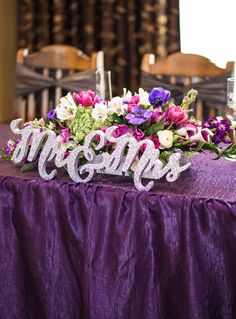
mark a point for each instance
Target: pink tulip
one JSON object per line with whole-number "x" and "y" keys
{"x": 176, "y": 114}
{"x": 86, "y": 98}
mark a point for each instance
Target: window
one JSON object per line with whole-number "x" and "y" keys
{"x": 208, "y": 28}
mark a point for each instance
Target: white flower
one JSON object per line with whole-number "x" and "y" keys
{"x": 68, "y": 102}
{"x": 127, "y": 95}
{"x": 143, "y": 97}
{"x": 116, "y": 105}
{"x": 64, "y": 113}
{"x": 165, "y": 138}
{"x": 100, "y": 111}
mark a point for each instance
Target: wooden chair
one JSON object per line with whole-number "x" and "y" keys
{"x": 52, "y": 64}
{"x": 181, "y": 71}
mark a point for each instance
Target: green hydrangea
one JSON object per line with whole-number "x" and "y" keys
{"x": 83, "y": 124}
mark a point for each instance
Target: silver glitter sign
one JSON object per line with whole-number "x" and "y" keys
{"x": 125, "y": 157}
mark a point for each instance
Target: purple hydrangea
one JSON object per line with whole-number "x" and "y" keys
{"x": 159, "y": 97}
{"x": 138, "y": 116}
{"x": 51, "y": 116}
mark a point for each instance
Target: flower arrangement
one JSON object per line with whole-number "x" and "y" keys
{"x": 143, "y": 116}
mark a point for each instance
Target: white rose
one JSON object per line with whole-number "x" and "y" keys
{"x": 116, "y": 105}
{"x": 165, "y": 138}
{"x": 143, "y": 97}
{"x": 100, "y": 111}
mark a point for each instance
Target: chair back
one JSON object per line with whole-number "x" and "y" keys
{"x": 44, "y": 76}
{"x": 181, "y": 71}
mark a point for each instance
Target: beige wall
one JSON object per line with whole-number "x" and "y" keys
{"x": 8, "y": 25}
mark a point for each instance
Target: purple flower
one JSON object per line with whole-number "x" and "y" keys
{"x": 51, "y": 116}
{"x": 138, "y": 115}
{"x": 206, "y": 124}
{"x": 11, "y": 146}
{"x": 159, "y": 97}
{"x": 222, "y": 127}
{"x": 65, "y": 135}
{"x": 216, "y": 139}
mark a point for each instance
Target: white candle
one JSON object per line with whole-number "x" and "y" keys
{"x": 100, "y": 61}
{"x": 100, "y": 69}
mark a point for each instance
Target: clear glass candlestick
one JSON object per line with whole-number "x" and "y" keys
{"x": 103, "y": 84}
{"x": 231, "y": 109}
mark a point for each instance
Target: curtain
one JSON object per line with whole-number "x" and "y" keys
{"x": 124, "y": 30}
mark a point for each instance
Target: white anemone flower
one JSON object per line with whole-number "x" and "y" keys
{"x": 165, "y": 138}
{"x": 100, "y": 111}
{"x": 143, "y": 97}
{"x": 116, "y": 105}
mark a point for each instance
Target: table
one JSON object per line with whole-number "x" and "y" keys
{"x": 105, "y": 250}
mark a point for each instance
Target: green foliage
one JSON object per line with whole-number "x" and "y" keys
{"x": 154, "y": 128}
{"x": 29, "y": 166}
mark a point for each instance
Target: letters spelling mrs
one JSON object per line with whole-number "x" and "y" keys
{"x": 45, "y": 147}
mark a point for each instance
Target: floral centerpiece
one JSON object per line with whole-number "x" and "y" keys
{"x": 143, "y": 116}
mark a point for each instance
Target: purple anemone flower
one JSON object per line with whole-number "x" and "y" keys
{"x": 51, "y": 116}
{"x": 138, "y": 116}
{"x": 159, "y": 97}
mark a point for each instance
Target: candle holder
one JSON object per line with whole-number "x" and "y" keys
{"x": 103, "y": 84}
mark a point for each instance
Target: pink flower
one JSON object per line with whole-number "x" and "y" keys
{"x": 154, "y": 139}
{"x": 176, "y": 114}
{"x": 86, "y": 98}
{"x": 121, "y": 130}
{"x": 65, "y": 135}
{"x": 137, "y": 134}
{"x": 134, "y": 101}
{"x": 158, "y": 115}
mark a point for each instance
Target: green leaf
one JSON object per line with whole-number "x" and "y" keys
{"x": 154, "y": 128}
{"x": 116, "y": 118}
{"x": 212, "y": 148}
{"x": 175, "y": 138}
{"x": 200, "y": 146}
{"x": 29, "y": 166}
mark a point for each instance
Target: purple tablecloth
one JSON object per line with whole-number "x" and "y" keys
{"x": 105, "y": 250}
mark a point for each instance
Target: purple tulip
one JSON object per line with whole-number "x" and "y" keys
{"x": 159, "y": 97}
{"x": 138, "y": 116}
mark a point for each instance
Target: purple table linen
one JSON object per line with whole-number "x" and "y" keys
{"x": 104, "y": 250}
